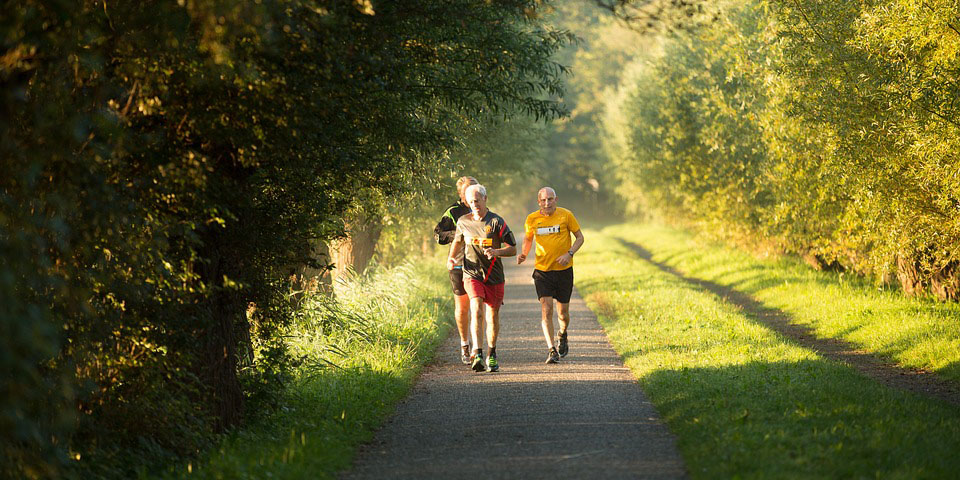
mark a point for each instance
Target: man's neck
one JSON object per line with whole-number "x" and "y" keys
{"x": 479, "y": 215}
{"x": 545, "y": 214}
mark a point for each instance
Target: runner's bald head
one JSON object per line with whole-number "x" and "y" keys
{"x": 547, "y": 199}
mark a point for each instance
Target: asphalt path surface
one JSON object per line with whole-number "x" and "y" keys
{"x": 585, "y": 417}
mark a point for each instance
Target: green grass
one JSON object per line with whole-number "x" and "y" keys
{"x": 912, "y": 332}
{"x": 361, "y": 357}
{"x": 743, "y": 401}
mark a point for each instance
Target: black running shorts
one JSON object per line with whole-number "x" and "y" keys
{"x": 554, "y": 283}
{"x": 456, "y": 281}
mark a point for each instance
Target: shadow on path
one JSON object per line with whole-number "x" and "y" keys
{"x": 917, "y": 381}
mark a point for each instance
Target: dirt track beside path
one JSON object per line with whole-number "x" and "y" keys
{"x": 868, "y": 364}
{"x": 583, "y": 418}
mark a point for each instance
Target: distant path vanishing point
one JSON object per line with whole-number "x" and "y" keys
{"x": 584, "y": 418}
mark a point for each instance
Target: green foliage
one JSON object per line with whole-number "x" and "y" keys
{"x": 826, "y": 128}
{"x": 660, "y": 16}
{"x": 693, "y": 150}
{"x": 572, "y": 161}
{"x": 499, "y": 155}
{"x": 357, "y": 356}
{"x": 167, "y": 165}
{"x": 886, "y": 91}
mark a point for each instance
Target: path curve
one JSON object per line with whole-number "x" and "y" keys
{"x": 583, "y": 418}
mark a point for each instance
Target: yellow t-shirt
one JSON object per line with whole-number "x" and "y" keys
{"x": 552, "y": 235}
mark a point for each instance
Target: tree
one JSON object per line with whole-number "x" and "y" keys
{"x": 166, "y": 164}
{"x": 827, "y": 128}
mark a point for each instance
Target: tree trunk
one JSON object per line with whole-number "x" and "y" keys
{"x": 945, "y": 283}
{"x": 221, "y": 313}
{"x": 915, "y": 276}
{"x": 817, "y": 262}
{"x": 910, "y": 275}
{"x": 357, "y": 249}
{"x": 308, "y": 279}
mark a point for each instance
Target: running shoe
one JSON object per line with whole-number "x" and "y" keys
{"x": 553, "y": 356}
{"x": 476, "y": 362}
{"x": 492, "y": 365}
{"x": 563, "y": 348}
{"x": 465, "y": 354}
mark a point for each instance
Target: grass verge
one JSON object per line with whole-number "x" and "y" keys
{"x": 912, "y": 332}
{"x": 744, "y": 402}
{"x": 361, "y": 356}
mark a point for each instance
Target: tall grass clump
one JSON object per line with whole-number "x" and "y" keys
{"x": 357, "y": 353}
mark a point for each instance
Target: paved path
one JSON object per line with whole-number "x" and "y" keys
{"x": 584, "y": 418}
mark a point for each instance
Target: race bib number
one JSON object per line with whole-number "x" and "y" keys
{"x": 548, "y": 230}
{"x": 479, "y": 242}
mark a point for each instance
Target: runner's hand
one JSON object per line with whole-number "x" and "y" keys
{"x": 521, "y": 258}
{"x": 450, "y": 263}
{"x": 489, "y": 253}
{"x": 564, "y": 259}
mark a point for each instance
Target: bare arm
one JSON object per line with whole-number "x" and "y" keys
{"x": 507, "y": 251}
{"x": 455, "y": 248}
{"x": 577, "y": 242}
{"x": 525, "y": 249}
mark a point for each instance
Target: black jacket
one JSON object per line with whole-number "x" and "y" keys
{"x": 447, "y": 226}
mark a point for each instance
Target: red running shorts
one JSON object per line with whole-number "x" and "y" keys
{"x": 491, "y": 294}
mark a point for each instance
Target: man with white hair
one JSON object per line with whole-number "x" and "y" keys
{"x": 444, "y": 232}
{"x": 553, "y": 269}
{"x": 484, "y": 237}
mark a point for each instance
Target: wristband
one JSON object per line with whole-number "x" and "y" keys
{"x": 570, "y": 252}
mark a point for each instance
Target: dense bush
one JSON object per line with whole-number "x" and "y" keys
{"x": 166, "y": 166}
{"x": 827, "y": 127}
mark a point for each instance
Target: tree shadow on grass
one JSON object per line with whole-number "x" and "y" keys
{"x": 829, "y": 347}
{"x": 951, "y": 370}
{"x": 811, "y": 419}
{"x": 763, "y": 276}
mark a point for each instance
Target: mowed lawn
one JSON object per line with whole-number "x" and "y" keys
{"x": 744, "y": 401}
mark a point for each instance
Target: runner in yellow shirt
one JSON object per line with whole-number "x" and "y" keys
{"x": 553, "y": 268}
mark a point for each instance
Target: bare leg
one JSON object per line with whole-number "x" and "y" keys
{"x": 546, "y": 319}
{"x": 461, "y": 313}
{"x": 476, "y": 320}
{"x": 563, "y": 315}
{"x": 493, "y": 325}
